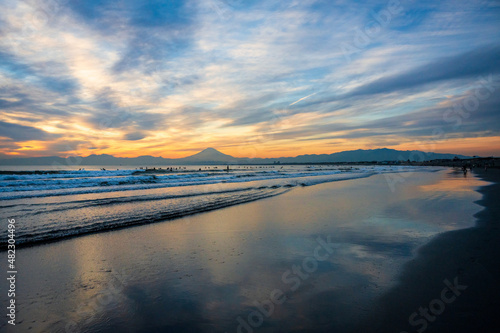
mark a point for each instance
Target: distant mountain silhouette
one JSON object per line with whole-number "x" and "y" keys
{"x": 373, "y": 155}
{"x": 213, "y": 156}
{"x": 209, "y": 155}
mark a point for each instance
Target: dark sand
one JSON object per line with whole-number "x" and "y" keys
{"x": 472, "y": 256}
{"x": 202, "y": 273}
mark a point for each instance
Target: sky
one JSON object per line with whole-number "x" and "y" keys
{"x": 249, "y": 78}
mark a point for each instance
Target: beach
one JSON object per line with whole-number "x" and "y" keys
{"x": 469, "y": 256}
{"x": 354, "y": 255}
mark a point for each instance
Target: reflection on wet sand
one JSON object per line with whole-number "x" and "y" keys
{"x": 455, "y": 182}
{"x": 452, "y": 285}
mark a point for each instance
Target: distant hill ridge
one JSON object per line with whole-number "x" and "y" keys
{"x": 213, "y": 156}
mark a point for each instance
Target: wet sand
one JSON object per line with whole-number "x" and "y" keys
{"x": 320, "y": 258}
{"x": 467, "y": 257}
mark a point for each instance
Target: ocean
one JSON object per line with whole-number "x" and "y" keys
{"x": 55, "y": 202}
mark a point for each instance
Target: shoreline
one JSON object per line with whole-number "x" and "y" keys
{"x": 468, "y": 258}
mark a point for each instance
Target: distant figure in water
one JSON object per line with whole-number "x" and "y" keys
{"x": 227, "y": 169}
{"x": 464, "y": 169}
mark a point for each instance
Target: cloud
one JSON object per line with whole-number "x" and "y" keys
{"x": 110, "y": 113}
{"x": 153, "y": 31}
{"x": 23, "y": 133}
{"x": 134, "y": 136}
{"x": 470, "y": 64}
{"x": 123, "y": 118}
{"x": 5, "y": 104}
{"x": 9, "y": 145}
{"x": 48, "y": 75}
{"x": 64, "y": 146}
{"x": 462, "y": 115}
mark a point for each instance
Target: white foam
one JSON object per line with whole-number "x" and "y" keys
{"x": 80, "y": 182}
